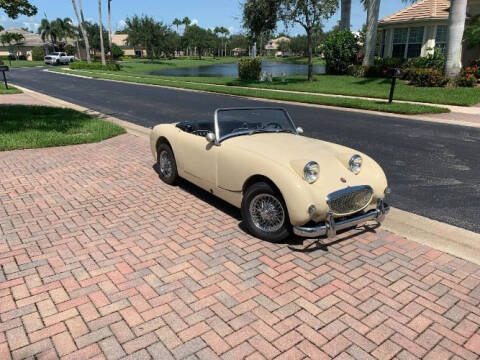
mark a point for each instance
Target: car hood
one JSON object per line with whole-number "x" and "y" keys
{"x": 296, "y": 151}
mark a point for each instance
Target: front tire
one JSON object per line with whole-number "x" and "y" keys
{"x": 265, "y": 213}
{"x": 167, "y": 166}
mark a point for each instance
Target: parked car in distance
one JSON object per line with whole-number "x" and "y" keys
{"x": 283, "y": 182}
{"x": 58, "y": 58}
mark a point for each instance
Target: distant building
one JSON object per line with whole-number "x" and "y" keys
{"x": 417, "y": 29}
{"x": 239, "y": 52}
{"x": 25, "y": 47}
{"x": 121, "y": 41}
{"x": 273, "y": 45}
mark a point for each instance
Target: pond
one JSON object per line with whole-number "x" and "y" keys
{"x": 231, "y": 70}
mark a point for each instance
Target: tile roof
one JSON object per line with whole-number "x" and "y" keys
{"x": 422, "y": 10}
{"x": 31, "y": 39}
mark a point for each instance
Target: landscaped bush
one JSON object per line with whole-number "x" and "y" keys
{"x": 38, "y": 53}
{"x": 428, "y": 78}
{"x": 340, "y": 49}
{"x": 435, "y": 60}
{"x": 82, "y": 65}
{"x": 356, "y": 70}
{"x": 467, "y": 77}
{"x": 249, "y": 68}
{"x": 117, "y": 52}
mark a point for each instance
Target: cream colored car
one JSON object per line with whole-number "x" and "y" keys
{"x": 283, "y": 182}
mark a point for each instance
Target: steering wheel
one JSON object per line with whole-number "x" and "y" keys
{"x": 273, "y": 125}
{"x": 244, "y": 127}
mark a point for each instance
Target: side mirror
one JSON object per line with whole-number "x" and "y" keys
{"x": 299, "y": 130}
{"x": 211, "y": 138}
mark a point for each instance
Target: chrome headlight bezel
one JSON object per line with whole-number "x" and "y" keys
{"x": 355, "y": 164}
{"x": 311, "y": 171}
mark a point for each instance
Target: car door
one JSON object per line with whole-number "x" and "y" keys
{"x": 199, "y": 159}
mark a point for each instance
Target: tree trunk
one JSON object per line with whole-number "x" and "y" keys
{"x": 82, "y": 29}
{"x": 346, "y": 14}
{"x": 102, "y": 47}
{"x": 78, "y": 49}
{"x": 110, "y": 26}
{"x": 310, "y": 54}
{"x": 373, "y": 9}
{"x": 456, "y": 27}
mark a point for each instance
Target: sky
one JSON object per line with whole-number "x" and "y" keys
{"x": 207, "y": 13}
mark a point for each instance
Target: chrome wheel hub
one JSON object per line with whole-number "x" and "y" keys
{"x": 165, "y": 163}
{"x": 267, "y": 213}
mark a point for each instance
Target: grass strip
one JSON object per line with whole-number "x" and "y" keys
{"x": 27, "y": 127}
{"x": 11, "y": 90}
{"x": 383, "y": 106}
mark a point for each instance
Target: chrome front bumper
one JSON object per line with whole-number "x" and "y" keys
{"x": 331, "y": 226}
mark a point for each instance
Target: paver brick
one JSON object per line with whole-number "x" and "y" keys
{"x": 124, "y": 264}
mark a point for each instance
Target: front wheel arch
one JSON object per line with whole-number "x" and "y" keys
{"x": 262, "y": 178}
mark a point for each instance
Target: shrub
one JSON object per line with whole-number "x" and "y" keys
{"x": 38, "y": 53}
{"x": 428, "y": 78}
{"x": 376, "y": 71}
{"x": 340, "y": 49}
{"x": 435, "y": 60}
{"x": 356, "y": 70}
{"x": 117, "y": 52}
{"x": 82, "y": 65}
{"x": 467, "y": 77}
{"x": 249, "y": 68}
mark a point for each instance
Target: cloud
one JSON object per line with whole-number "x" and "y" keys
{"x": 195, "y": 22}
{"x": 121, "y": 24}
{"x": 31, "y": 23}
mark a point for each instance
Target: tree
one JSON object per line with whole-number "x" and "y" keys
{"x": 93, "y": 34}
{"x": 308, "y": 14}
{"x": 260, "y": 18}
{"x": 456, "y": 27}
{"x": 472, "y": 33}
{"x": 13, "y": 8}
{"x": 102, "y": 46}
{"x": 81, "y": 22}
{"x": 202, "y": 39}
{"x": 373, "y": 9}
{"x": 186, "y": 21}
{"x": 15, "y": 38}
{"x": 224, "y": 32}
{"x": 346, "y": 9}
{"x": 177, "y": 22}
{"x": 48, "y": 31}
{"x": 109, "y": 2}
{"x": 1, "y": 28}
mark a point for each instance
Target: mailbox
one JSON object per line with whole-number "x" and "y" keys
{"x": 395, "y": 73}
{"x": 4, "y": 68}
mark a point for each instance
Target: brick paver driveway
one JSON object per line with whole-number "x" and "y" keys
{"x": 100, "y": 259}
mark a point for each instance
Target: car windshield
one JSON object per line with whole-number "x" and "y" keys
{"x": 233, "y": 122}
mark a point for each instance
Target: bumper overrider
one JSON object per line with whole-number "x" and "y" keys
{"x": 330, "y": 227}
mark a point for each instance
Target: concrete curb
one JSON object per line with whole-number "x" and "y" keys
{"x": 437, "y": 235}
{"x": 425, "y": 118}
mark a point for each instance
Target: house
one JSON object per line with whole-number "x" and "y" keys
{"x": 121, "y": 41}
{"x": 239, "y": 52}
{"x": 273, "y": 45}
{"x": 25, "y": 48}
{"x": 417, "y": 29}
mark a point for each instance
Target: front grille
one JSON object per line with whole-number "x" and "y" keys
{"x": 350, "y": 200}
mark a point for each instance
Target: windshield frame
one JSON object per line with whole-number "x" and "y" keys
{"x": 219, "y": 139}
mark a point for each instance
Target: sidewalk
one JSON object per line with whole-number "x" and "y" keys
{"x": 24, "y": 99}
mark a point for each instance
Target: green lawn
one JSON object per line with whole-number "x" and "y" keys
{"x": 25, "y": 127}
{"x": 142, "y": 66}
{"x": 23, "y": 63}
{"x": 11, "y": 89}
{"x": 185, "y": 83}
{"x": 295, "y": 60}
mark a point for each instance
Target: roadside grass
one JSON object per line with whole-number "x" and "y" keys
{"x": 11, "y": 89}
{"x": 185, "y": 83}
{"x": 27, "y": 127}
{"x": 23, "y": 63}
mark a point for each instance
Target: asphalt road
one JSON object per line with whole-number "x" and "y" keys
{"x": 433, "y": 169}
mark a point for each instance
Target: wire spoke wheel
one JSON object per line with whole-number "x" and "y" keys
{"x": 267, "y": 213}
{"x": 166, "y": 164}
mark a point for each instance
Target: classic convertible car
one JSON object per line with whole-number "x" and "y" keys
{"x": 257, "y": 160}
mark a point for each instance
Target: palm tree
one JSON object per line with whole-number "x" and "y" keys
{"x": 69, "y": 31}
{"x": 109, "y": 24}
{"x": 102, "y": 47}
{"x": 373, "y": 10}
{"x": 346, "y": 9}
{"x": 82, "y": 28}
{"x": 48, "y": 32}
{"x": 177, "y": 22}
{"x": 456, "y": 27}
{"x": 1, "y": 28}
{"x": 186, "y": 21}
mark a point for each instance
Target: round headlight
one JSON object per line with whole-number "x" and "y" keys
{"x": 355, "y": 164}
{"x": 311, "y": 171}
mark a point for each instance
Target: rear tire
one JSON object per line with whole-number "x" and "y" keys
{"x": 265, "y": 213}
{"x": 167, "y": 166}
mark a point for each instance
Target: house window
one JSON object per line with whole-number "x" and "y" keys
{"x": 441, "y": 37}
{"x": 400, "y": 37}
{"x": 415, "y": 41}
